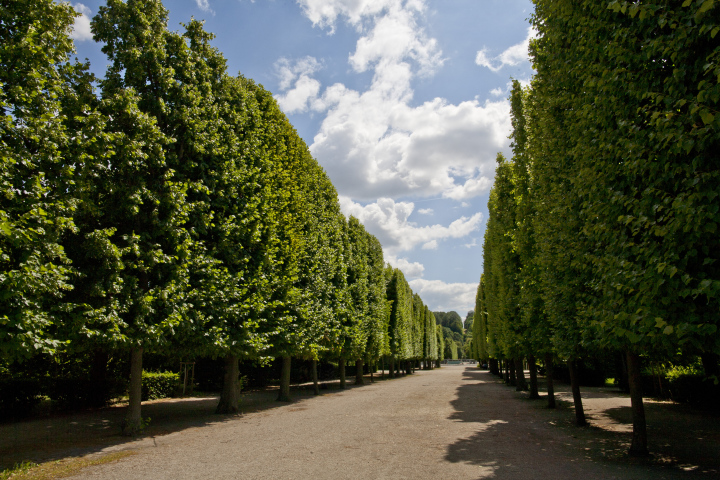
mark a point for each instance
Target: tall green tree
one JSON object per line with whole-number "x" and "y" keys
{"x": 37, "y": 178}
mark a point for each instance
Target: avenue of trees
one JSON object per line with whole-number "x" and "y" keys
{"x": 170, "y": 207}
{"x": 603, "y": 226}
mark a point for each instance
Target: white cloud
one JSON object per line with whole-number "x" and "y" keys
{"x": 373, "y": 143}
{"x": 324, "y": 13}
{"x": 425, "y": 211}
{"x": 388, "y": 221}
{"x": 81, "y": 27}
{"x": 514, "y": 55}
{"x": 431, "y": 245}
{"x": 300, "y": 90}
{"x": 497, "y": 92}
{"x": 204, "y": 5}
{"x": 441, "y": 296}
{"x": 410, "y": 269}
{"x": 471, "y": 244}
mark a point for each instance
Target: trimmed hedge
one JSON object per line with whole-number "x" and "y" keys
{"x": 159, "y": 385}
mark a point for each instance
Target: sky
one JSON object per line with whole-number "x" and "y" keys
{"x": 404, "y": 103}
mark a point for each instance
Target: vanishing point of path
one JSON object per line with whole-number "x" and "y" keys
{"x": 453, "y": 423}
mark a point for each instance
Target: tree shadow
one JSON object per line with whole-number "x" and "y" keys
{"x": 520, "y": 438}
{"x": 97, "y": 431}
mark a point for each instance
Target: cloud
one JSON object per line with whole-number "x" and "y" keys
{"x": 81, "y": 27}
{"x": 471, "y": 244}
{"x": 388, "y": 221}
{"x": 374, "y": 143}
{"x": 204, "y": 5}
{"x": 410, "y": 269}
{"x": 514, "y": 55}
{"x": 431, "y": 245}
{"x": 425, "y": 211}
{"x": 325, "y": 13}
{"x": 300, "y": 90}
{"x": 441, "y": 296}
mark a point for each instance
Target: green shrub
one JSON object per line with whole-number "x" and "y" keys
{"x": 159, "y": 385}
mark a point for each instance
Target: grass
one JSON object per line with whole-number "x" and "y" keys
{"x": 59, "y": 468}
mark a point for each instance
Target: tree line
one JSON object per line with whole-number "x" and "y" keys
{"x": 603, "y": 226}
{"x": 172, "y": 207}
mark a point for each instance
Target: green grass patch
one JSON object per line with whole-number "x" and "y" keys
{"x": 59, "y": 468}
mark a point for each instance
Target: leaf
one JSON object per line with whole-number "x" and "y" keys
{"x": 668, "y": 330}
{"x": 707, "y": 5}
{"x": 706, "y": 116}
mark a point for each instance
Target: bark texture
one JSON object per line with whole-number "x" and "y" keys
{"x": 284, "y": 393}
{"x": 359, "y": 380}
{"x": 549, "y": 380}
{"x": 341, "y": 368}
{"x": 316, "y": 387}
{"x": 230, "y": 395}
{"x": 638, "y": 447}
{"x": 133, "y": 420}
{"x": 533, "y": 377}
{"x": 577, "y": 399}
{"x": 521, "y": 384}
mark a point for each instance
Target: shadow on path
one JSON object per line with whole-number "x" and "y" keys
{"x": 97, "y": 431}
{"x": 520, "y": 438}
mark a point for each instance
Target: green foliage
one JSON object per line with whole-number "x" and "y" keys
{"x": 157, "y": 385}
{"x": 171, "y": 207}
{"x": 36, "y": 178}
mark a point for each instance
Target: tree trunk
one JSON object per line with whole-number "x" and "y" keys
{"x": 533, "y": 377}
{"x": 520, "y": 375}
{"x": 133, "y": 421}
{"x": 506, "y": 371}
{"x": 341, "y": 367}
{"x": 284, "y": 393}
{"x": 638, "y": 448}
{"x": 382, "y": 367}
{"x": 710, "y": 365}
{"x": 372, "y": 370}
{"x": 316, "y": 387}
{"x": 577, "y": 399}
{"x": 359, "y": 380}
{"x": 493, "y": 366}
{"x": 549, "y": 380}
{"x": 230, "y": 395}
{"x": 511, "y": 370}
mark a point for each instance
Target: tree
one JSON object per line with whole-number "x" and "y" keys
{"x": 37, "y": 204}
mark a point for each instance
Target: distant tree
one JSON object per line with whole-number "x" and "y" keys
{"x": 469, "y": 319}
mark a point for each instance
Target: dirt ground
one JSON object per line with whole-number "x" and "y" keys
{"x": 455, "y": 422}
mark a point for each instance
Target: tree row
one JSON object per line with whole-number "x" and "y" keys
{"x": 171, "y": 207}
{"x": 603, "y": 227}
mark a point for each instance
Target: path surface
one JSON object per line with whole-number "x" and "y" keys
{"x": 456, "y": 422}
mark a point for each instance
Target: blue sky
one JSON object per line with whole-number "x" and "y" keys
{"x": 403, "y": 102}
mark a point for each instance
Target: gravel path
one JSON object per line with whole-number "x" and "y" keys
{"x": 456, "y": 422}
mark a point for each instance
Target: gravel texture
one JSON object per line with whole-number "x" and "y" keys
{"x": 453, "y": 423}
{"x": 456, "y": 422}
